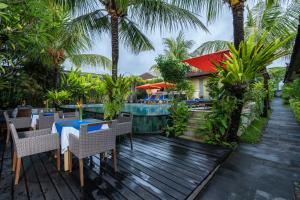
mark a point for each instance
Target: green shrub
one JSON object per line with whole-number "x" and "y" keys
{"x": 295, "y": 105}
{"x": 291, "y": 91}
{"x": 178, "y": 119}
{"x": 253, "y": 133}
{"x": 117, "y": 91}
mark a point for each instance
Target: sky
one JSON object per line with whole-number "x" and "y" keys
{"x": 130, "y": 64}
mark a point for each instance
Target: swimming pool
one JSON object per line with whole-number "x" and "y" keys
{"x": 147, "y": 119}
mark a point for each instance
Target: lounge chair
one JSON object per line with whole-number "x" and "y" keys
{"x": 91, "y": 143}
{"x": 152, "y": 99}
{"x": 30, "y": 143}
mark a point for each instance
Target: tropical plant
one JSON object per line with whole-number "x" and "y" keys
{"x": 124, "y": 19}
{"x": 76, "y": 84}
{"x": 58, "y": 97}
{"x": 242, "y": 66}
{"x": 291, "y": 91}
{"x": 117, "y": 92}
{"x": 178, "y": 119}
{"x": 256, "y": 93}
{"x": 172, "y": 70}
{"x": 277, "y": 75}
{"x": 217, "y": 121}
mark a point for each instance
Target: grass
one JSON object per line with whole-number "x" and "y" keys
{"x": 253, "y": 133}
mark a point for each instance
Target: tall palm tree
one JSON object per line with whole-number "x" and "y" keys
{"x": 124, "y": 19}
{"x": 177, "y": 48}
{"x": 278, "y": 21}
{"x": 214, "y": 9}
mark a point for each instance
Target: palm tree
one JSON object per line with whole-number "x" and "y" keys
{"x": 276, "y": 20}
{"x": 123, "y": 20}
{"x": 279, "y": 21}
{"x": 242, "y": 67}
{"x": 214, "y": 9}
{"x": 177, "y": 48}
{"x": 67, "y": 42}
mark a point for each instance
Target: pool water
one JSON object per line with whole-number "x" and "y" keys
{"x": 137, "y": 109}
{"x": 147, "y": 119}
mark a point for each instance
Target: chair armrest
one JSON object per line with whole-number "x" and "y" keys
{"x": 35, "y": 133}
{"x": 124, "y": 128}
{"x": 21, "y": 122}
{"x": 38, "y": 144}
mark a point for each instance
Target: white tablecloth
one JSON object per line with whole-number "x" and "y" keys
{"x": 34, "y": 119}
{"x": 64, "y": 136}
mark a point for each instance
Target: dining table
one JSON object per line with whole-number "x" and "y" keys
{"x": 66, "y": 127}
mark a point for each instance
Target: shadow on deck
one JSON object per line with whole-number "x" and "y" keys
{"x": 157, "y": 168}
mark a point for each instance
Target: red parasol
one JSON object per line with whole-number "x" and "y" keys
{"x": 206, "y": 63}
{"x": 164, "y": 85}
{"x": 147, "y": 87}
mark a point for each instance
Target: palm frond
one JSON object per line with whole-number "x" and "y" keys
{"x": 177, "y": 48}
{"x": 162, "y": 14}
{"x": 92, "y": 23}
{"x": 133, "y": 38}
{"x": 211, "y": 46}
{"x": 94, "y": 60}
{"x": 79, "y": 7}
{"x": 212, "y": 8}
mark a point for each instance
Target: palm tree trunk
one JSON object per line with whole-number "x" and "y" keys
{"x": 115, "y": 45}
{"x": 56, "y": 76}
{"x": 235, "y": 117}
{"x": 238, "y": 23}
{"x": 267, "y": 97}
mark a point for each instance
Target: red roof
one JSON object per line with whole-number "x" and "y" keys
{"x": 207, "y": 62}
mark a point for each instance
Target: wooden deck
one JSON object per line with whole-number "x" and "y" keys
{"x": 157, "y": 168}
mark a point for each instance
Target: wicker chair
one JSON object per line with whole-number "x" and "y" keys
{"x": 24, "y": 112}
{"x": 91, "y": 143}
{"x": 60, "y": 116}
{"x": 30, "y": 143}
{"x": 124, "y": 126}
{"x": 45, "y": 121}
{"x": 19, "y": 122}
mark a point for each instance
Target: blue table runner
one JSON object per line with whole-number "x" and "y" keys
{"x": 76, "y": 124}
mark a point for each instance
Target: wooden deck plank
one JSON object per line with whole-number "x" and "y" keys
{"x": 47, "y": 186}
{"x": 157, "y": 168}
{"x": 161, "y": 175}
{"x": 182, "y": 153}
{"x": 123, "y": 178}
{"x": 213, "y": 156}
{"x": 20, "y": 191}
{"x": 202, "y": 162}
{"x": 59, "y": 184}
{"x": 112, "y": 181}
{"x": 33, "y": 185}
{"x": 185, "y": 162}
{"x": 161, "y": 164}
{"x": 6, "y": 176}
